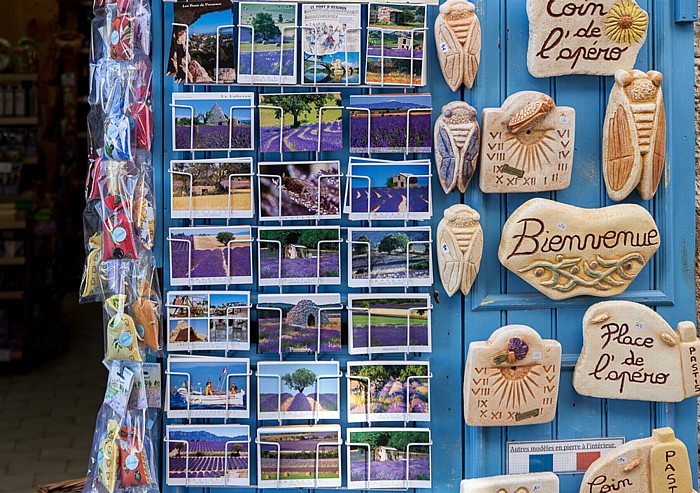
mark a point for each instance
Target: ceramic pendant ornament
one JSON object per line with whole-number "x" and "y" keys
{"x": 457, "y": 137}
{"x": 658, "y": 464}
{"x": 458, "y": 42}
{"x": 630, "y": 352}
{"x": 460, "y": 244}
{"x": 584, "y": 37}
{"x": 512, "y": 379}
{"x": 565, "y": 251}
{"x": 542, "y": 482}
{"x": 634, "y": 135}
{"x": 527, "y": 145}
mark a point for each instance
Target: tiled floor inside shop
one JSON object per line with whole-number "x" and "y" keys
{"x": 47, "y": 415}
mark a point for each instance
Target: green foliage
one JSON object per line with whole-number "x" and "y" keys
{"x": 298, "y": 105}
{"x": 393, "y": 242}
{"x": 361, "y": 248}
{"x": 284, "y": 236}
{"x": 311, "y": 237}
{"x": 398, "y": 439}
{"x": 422, "y": 265}
{"x": 300, "y": 379}
{"x": 390, "y": 182}
{"x": 224, "y": 237}
{"x": 408, "y": 16}
{"x": 382, "y": 373}
{"x": 265, "y": 26}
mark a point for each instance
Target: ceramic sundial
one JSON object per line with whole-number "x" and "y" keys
{"x": 512, "y": 379}
{"x": 584, "y": 36}
{"x": 566, "y": 251}
{"x": 658, "y": 464}
{"x": 630, "y": 352}
{"x": 527, "y": 145}
{"x": 544, "y": 482}
{"x": 460, "y": 243}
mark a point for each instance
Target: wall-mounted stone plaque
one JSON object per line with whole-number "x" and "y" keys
{"x": 658, "y": 464}
{"x": 566, "y": 251}
{"x": 512, "y": 379}
{"x": 458, "y": 42}
{"x": 456, "y": 145}
{"x": 542, "y": 482}
{"x": 630, "y": 352}
{"x": 527, "y": 145}
{"x": 596, "y": 37}
{"x": 460, "y": 243}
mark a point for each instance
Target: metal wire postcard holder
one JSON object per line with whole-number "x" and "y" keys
{"x": 262, "y": 79}
{"x": 192, "y": 126}
{"x": 422, "y": 60}
{"x": 247, "y": 307}
{"x": 247, "y": 442}
{"x": 315, "y": 83}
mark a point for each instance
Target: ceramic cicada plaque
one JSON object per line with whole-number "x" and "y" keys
{"x": 630, "y": 352}
{"x": 634, "y": 135}
{"x": 456, "y": 145}
{"x": 584, "y": 37}
{"x": 650, "y": 465}
{"x": 565, "y": 251}
{"x": 512, "y": 379}
{"x": 542, "y": 482}
{"x": 458, "y": 42}
{"x": 460, "y": 244}
{"x": 527, "y": 145}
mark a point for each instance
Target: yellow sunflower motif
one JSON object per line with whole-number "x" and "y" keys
{"x": 626, "y": 22}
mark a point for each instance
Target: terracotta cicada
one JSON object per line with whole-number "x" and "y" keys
{"x": 460, "y": 245}
{"x": 458, "y": 41}
{"x": 456, "y": 145}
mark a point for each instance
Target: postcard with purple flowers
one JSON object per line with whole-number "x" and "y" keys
{"x": 208, "y": 455}
{"x": 303, "y": 190}
{"x": 210, "y": 255}
{"x": 299, "y": 457}
{"x": 397, "y": 323}
{"x": 208, "y": 320}
{"x": 299, "y": 255}
{"x": 299, "y": 323}
{"x": 389, "y": 458}
{"x": 388, "y": 391}
{"x": 213, "y": 121}
{"x": 298, "y": 390}
{"x": 301, "y": 122}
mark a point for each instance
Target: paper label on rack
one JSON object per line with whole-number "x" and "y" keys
{"x": 119, "y": 385}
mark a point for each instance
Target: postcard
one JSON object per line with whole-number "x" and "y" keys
{"x": 270, "y": 58}
{"x": 386, "y": 117}
{"x": 210, "y": 188}
{"x": 210, "y": 255}
{"x": 299, "y": 255}
{"x": 388, "y": 391}
{"x": 331, "y": 40}
{"x": 202, "y": 43}
{"x": 390, "y": 257}
{"x": 309, "y": 122}
{"x": 299, "y": 457}
{"x": 308, "y": 190}
{"x": 208, "y": 387}
{"x": 297, "y": 323}
{"x": 396, "y": 322}
{"x": 212, "y": 121}
{"x": 298, "y": 390}
{"x": 208, "y": 320}
{"x": 208, "y": 455}
{"x": 382, "y": 457}
{"x": 389, "y": 190}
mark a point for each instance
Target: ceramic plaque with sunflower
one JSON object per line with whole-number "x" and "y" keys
{"x": 512, "y": 379}
{"x": 596, "y": 37}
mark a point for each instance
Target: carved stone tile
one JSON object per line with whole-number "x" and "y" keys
{"x": 458, "y": 42}
{"x": 566, "y": 251}
{"x": 596, "y": 37}
{"x": 650, "y": 465}
{"x": 527, "y": 145}
{"x": 512, "y": 379}
{"x": 456, "y": 145}
{"x": 460, "y": 243}
{"x": 630, "y": 352}
{"x": 543, "y": 482}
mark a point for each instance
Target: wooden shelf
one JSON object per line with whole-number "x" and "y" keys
{"x": 19, "y": 120}
{"x": 13, "y": 224}
{"x": 19, "y": 77}
{"x": 11, "y": 295}
{"x": 12, "y": 261}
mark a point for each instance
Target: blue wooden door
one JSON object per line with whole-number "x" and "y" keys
{"x": 498, "y": 297}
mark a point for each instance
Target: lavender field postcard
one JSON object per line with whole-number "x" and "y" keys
{"x": 208, "y": 455}
{"x": 299, "y": 255}
{"x": 271, "y": 57}
{"x": 209, "y": 188}
{"x": 298, "y": 390}
{"x": 301, "y": 122}
{"x": 208, "y": 387}
{"x": 299, "y": 323}
{"x": 213, "y": 121}
{"x": 299, "y": 190}
{"x": 331, "y": 40}
{"x": 378, "y": 123}
{"x": 208, "y": 320}
{"x": 308, "y": 457}
{"x": 388, "y": 391}
{"x": 388, "y": 190}
{"x": 396, "y": 322}
{"x": 201, "y": 49}
{"x": 210, "y": 255}
{"x": 390, "y": 257}
{"x": 389, "y": 458}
